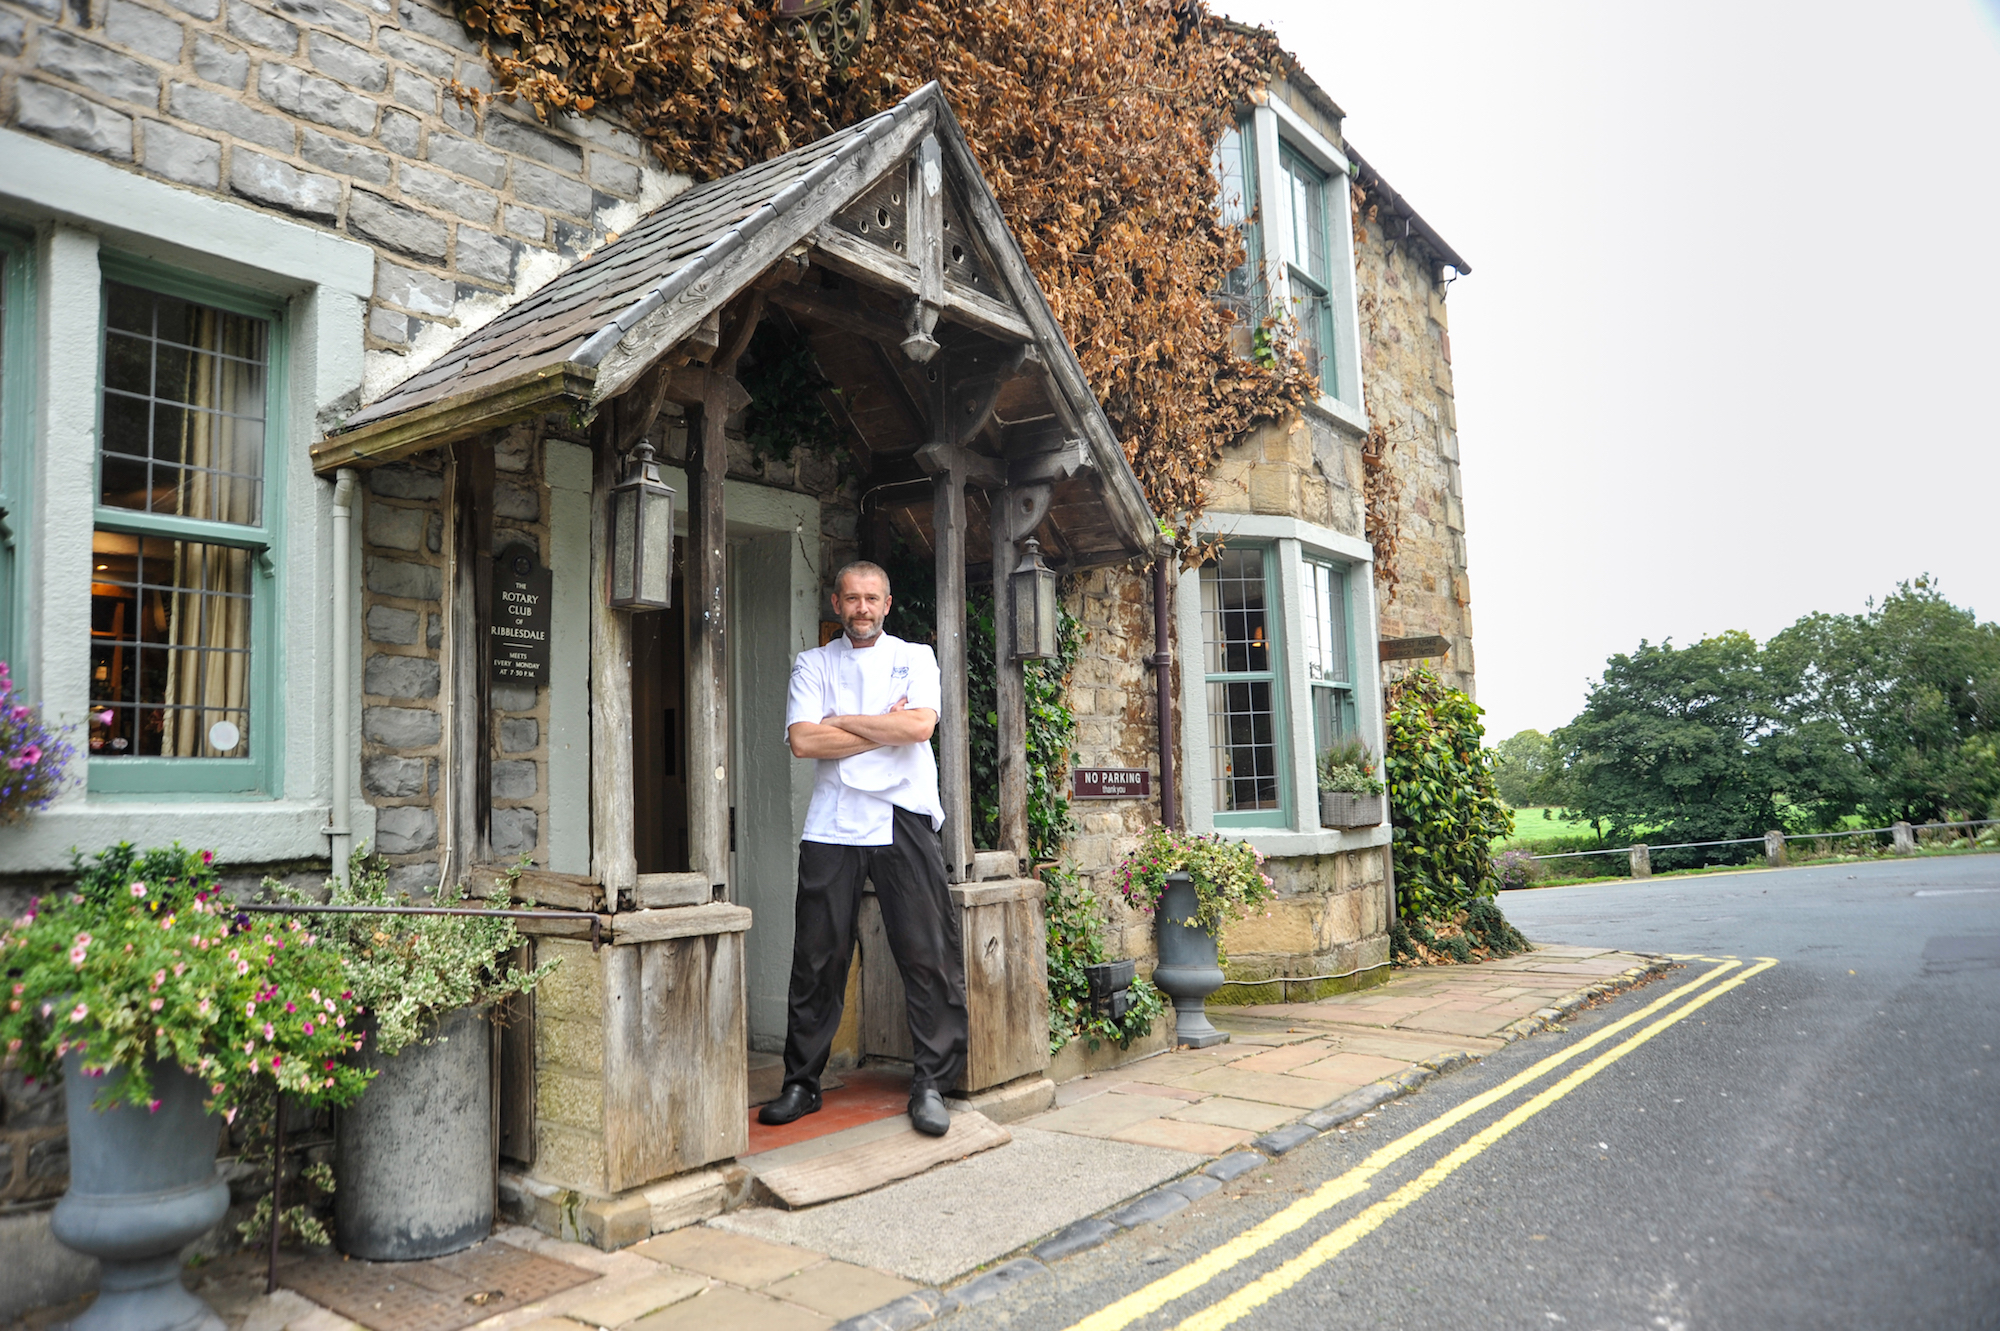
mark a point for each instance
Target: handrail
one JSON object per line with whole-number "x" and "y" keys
{"x": 309, "y": 908}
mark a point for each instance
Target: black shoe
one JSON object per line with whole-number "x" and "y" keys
{"x": 797, "y": 1101}
{"x": 927, "y": 1113}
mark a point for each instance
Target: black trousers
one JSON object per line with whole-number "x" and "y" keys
{"x": 923, "y": 929}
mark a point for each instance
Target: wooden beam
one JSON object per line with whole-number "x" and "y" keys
{"x": 979, "y": 311}
{"x": 707, "y": 576}
{"x": 468, "y": 753}
{"x": 614, "y": 858}
{"x": 460, "y": 416}
{"x": 846, "y": 316}
{"x": 850, "y": 256}
{"x": 972, "y": 468}
{"x": 925, "y": 244}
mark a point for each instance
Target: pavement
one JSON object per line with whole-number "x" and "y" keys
{"x": 1119, "y": 1152}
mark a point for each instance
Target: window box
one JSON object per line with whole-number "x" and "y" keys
{"x": 1338, "y": 808}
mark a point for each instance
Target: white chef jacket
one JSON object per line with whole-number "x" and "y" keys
{"x": 853, "y": 797}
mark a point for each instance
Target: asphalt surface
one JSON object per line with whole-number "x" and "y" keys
{"x": 1817, "y": 1146}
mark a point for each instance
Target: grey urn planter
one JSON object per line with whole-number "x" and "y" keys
{"x": 142, "y": 1186}
{"x": 1339, "y": 808}
{"x": 415, "y": 1171}
{"x": 1187, "y": 972}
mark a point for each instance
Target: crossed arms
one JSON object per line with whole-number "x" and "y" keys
{"x": 845, "y": 736}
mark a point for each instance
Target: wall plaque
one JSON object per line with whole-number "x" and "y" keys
{"x": 521, "y": 615}
{"x": 1110, "y": 783}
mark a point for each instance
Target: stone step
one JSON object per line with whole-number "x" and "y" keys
{"x": 884, "y": 1155}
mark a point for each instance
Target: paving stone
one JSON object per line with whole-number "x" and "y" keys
{"x": 1103, "y": 1115}
{"x": 1271, "y": 1087}
{"x": 1174, "y": 1135}
{"x": 188, "y": 158}
{"x": 404, "y": 829}
{"x": 219, "y": 62}
{"x": 1353, "y": 1068}
{"x": 737, "y": 1258}
{"x": 1227, "y": 1112}
{"x": 69, "y": 119}
{"x": 1181, "y": 1093}
{"x": 99, "y": 68}
{"x": 1285, "y": 1059}
{"x": 291, "y": 89}
{"x": 516, "y": 832}
{"x": 1286, "y": 1139}
{"x": 268, "y": 180}
{"x": 635, "y": 1300}
{"x": 1149, "y": 1209}
{"x": 726, "y": 1309}
{"x": 400, "y": 228}
{"x": 1351, "y": 1106}
{"x": 998, "y": 1281}
{"x": 840, "y": 1289}
{"x": 1457, "y": 1023}
{"x": 400, "y": 727}
{"x": 261, "y": 29}
{"x": 1079, "y": 1237}
{"x": 214, "y": 110}
{"x": 144, "y": 30}
{"x": 401, "y": 577}
{"x": 1234, "y": 1165}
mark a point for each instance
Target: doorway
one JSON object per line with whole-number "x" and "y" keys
{"x": 659, "y": 735}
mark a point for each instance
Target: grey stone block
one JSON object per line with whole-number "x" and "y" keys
{"x": 433, "y": 60}
{"x": 386, "y": 776}
{"x": 454, "y": 196}
{"x": 395, "y": 528}
{"x": 434, "y": 534}
{"x": 1352, "y": 1106}
{"x": 1280, "y": 1140}
{"x": 267, "y": 180}
{"x": 98, "y": 68}
{"x": 602, "y": 133}
{"x": 533, "y": 142}
{"x": 146, "y": 31}
{"x": 513, "y": 697}
{"x": 469, "y": 159}
{"x": 37, "y": 1106}
{"x": 434, "y": 632}
{"x": 401, "y": 727}
{"x": 401, "y": 133}
{"x": 438, "y": 27}
{"x": 420, "y": 880}
{"x": 219, "y": 62}
{"x": 375, "y": 218}
{"x": 515, "y": 780}
{"x": 515, "y": 832}
{"x": 48, "y": 1165}
{"x": 46, "y": 8}
{"x": 517, "y": 502}
{"x": 188, "y": 158}
{"x": 998, "y": 1281}
{"x": 349, "y": 159}
{"x": 542, "y": 188}
{"x": 388, "y": 676}
{"x": 388, "y": 624}
{"x": 526, "y": 223}
{"x": 405, "y": 829}
{"x": 399, "y": 480}
{"x": 1234, "y": 1165}
{"x": 13, "y": 33}
{"x": 347, "y": 62}
{"x": 416, "y": 92}
{"x": 68, "y": 119}
{"x": 1079, "y": 1237}
{"x": 1149, "y": 1209}
{"x": 919, "y": 1308}
{"x": 401, "y": 577}
{"x": 1195, "y": 1186}
{"x": 423, "y": 293}
{"x": 343, "y": 19}
{"x": 207, "y": 9}
{"x": 614, "y": 175}
{"x": 214, "y": 110}
{"x": 261, "y": 29}
{"x": 513, "y": 450}
{"x": 473, "y": 73}
{"x": 486, "y": 256}
{"x": 520, "y": 734}
{"x": 292, "y": 89}
{"x": 456, "y": 114}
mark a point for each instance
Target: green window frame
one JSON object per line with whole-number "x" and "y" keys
{"x": 1242, "y": 646}
{"x": 246, "y": 551}
{"x": 17, "y": 384}
{"x": 1236, "y": 199}
{"x": 1308, "y": 262}
{"x": 1328, "y": 627}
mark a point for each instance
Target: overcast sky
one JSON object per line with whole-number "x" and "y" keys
{"x": 1727, "y": 354}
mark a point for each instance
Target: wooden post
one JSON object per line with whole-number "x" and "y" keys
{"x": 614, "y": 859}
{"x": 470, "y": 802}
{"x": 954, "y": 737}
{"x": 1010, "y": 688}
{"x": 707, "y": 568}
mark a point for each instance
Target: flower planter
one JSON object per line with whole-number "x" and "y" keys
{"x": 142, "y": 1186}
{"x": 1187, "y": 972}
{"x": 415, "y": 1172}
{"x": 1338, "y": 808}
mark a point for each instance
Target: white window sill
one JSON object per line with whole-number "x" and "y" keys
{"x": 1278, "y": 843}
{"x": 1340, "y": 414}
{"x": 238, "y": 831}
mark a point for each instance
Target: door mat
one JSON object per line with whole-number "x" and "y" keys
{"x": 442, "y": 1294}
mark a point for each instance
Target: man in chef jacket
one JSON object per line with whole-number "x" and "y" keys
{"x": 864, "y": 707}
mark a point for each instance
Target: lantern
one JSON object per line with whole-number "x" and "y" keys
{"x": 642, "y": 536}
{"x": 1034, "y": 588}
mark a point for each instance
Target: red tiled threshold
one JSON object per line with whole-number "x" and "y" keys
{"x": 869, "y": 1095}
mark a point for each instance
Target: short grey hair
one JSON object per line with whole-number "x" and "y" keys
{"x": 864, "y": 567}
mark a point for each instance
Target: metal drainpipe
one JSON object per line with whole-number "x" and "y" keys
{"x": 1163, "y": 676}
{"x": 339, "y": 831}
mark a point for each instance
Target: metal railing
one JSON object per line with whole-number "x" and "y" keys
{"x": 1783, "y": 837}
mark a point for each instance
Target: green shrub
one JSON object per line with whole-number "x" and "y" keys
{"x": 1442, "y": 800}
{"x": 1348, "y": 768}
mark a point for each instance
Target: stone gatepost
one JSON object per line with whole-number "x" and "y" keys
{"x": 1642, "y": 861}
{"x": 1774, "y": 849}
{"x": 1905, "y": 839}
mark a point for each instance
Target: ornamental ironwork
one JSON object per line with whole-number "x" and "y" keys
{"x": 834, "y": 29}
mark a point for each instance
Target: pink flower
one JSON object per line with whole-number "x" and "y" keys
{"x": 138, "y": 889}
{"x": 290, "y": 1008}
{"x": 235, "y": 955}
{"x": 242, "y": 968}
{"x": 31, "y": 755}
{"x": 153, "y": 1107}
{"x": 202, "y": 1007}
{"x": 229, "y": 1114}
{"x": 180, "y": 969}
{"x": 309, "y": 1028}
{"x": 208, "y": 857}
{"x": 81, "y": 1011}
{"x": 157, "y": 1004}
{"x": 159, "y": 978}
{"x": 340, "y": 1022}
{"x": 269, "y": 1030}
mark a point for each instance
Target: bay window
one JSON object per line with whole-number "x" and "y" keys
{"x": 1240, "y": 655}
{"x": 1308, "y": 269}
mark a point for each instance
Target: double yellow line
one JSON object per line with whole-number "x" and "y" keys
{"x": 1357, "y": 1180}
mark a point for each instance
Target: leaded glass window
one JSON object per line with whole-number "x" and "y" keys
{"x": 1308, "y": 263}
{"x": 1245, "y": 716}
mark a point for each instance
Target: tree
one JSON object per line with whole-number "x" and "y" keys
{"x": 1521, "y": 768}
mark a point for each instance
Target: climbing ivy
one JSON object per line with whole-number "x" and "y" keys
{"x": 785, "y": 412}
{"x": 1442, "y": 800}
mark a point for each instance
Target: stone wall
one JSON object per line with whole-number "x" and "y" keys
{"x": 1406, "y": 367}
{"x": 339, "y": 115}
{"x": 1306, "y": 467}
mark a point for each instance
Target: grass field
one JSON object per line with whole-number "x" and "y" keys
{"x": 1540, "y": 824}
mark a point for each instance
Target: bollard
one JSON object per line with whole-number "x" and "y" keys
{"x": 1642, "y": 861}
{"x": 1905, "y": 839}
{"x": 1774, "y": 849}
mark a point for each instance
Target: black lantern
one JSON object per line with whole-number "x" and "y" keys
{"x": 1034, "y": 588}
{"x": 642, "y": 536}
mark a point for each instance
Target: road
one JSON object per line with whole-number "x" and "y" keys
{"x": 1802, "y": 1131}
